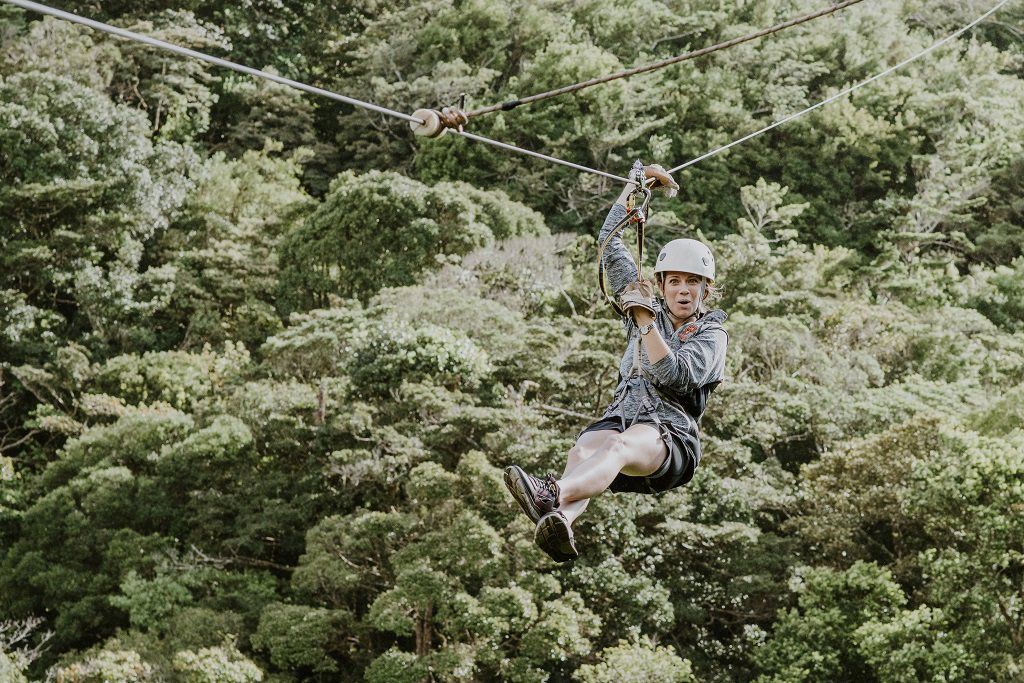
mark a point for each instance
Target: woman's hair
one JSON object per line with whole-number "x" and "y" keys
{"x": 712, "y": 294}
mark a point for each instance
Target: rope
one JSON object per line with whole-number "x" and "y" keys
{"x": 847, "y": 91}
{"x": 505, "y": 106}
{"x": 138, "y": 37}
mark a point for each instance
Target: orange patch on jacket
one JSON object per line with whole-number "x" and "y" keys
{"x": 687, "y": 331}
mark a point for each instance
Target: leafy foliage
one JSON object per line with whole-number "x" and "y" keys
{"x": 263, "y": 356}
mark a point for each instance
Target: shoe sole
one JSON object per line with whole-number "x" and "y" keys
{"x": 554, "y": 537}
{"x": 515, "y": 482}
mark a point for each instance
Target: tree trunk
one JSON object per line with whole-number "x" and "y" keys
{"x": 424, "y": 631}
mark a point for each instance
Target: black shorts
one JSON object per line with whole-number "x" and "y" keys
{"x": 678, "y": 468}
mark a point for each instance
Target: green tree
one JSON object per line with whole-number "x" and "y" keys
{"x": 223, "y": 664}
{"x": 221, "y": 247}
{"x": 815, "y": 640}
{"x": 84, "y": 188}
{"x": 641, "y": 661}
{"x": 408, "y": 227}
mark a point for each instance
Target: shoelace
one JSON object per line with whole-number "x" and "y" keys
{"x": 550, "y": 489}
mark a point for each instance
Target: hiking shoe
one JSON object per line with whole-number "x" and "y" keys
{"x": 536, "y": 496}
{"x": 554, "y": 536}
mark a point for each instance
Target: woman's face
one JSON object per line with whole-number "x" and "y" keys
{"x": 682, "y": 293}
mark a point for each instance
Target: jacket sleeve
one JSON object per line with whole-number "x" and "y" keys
{"x": 699, "y": 361}
{"x": 619, "y": 266}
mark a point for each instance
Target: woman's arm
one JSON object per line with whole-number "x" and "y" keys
{"x": 699, "y": 361}
{"x": 654, "y": 345}
{"x": 619, "y": 267}
{"x": 626, "y": 191}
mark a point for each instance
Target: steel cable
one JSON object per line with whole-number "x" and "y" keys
{"x": 841, "y": 93}
{"x": 545, "y": 157}
{"x": 163, "y": 45}
{"x": 177, "y": 49}
{"x": 504, "y": 106}
{"x": 130, "y": 35}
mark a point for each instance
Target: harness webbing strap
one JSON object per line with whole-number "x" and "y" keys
{"x": 637, "y": 368}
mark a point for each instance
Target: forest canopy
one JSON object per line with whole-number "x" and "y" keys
{"x": 263, "y": 356}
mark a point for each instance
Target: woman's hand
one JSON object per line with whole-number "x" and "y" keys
{"x": 642, "y": 316}
{"x": 637, "y": 295}
{"x": 661, "y": 180}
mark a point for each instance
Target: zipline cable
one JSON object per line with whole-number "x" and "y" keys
{"x": 846, "y": 91}
{"x": 505, "y": 106}
{"x": 131, "y": 35}
{"x": 177, "y": 49}
{"x": 545, "y": 157}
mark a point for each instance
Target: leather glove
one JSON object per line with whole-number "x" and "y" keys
{"x": 662, "y": 180}
{"x": 637, "y": 295}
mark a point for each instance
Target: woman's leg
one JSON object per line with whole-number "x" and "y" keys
{"x": 638, "y": 452}
{"x": 587, "y": 445}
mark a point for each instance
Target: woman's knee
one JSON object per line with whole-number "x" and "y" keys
{"x": 586, "y": 446}
{"x": 637, "y": 449}
{"x": 578, "y": 453}
{"x": 618, "y": 446}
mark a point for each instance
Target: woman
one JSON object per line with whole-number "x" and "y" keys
{"x": 647, "y": 440}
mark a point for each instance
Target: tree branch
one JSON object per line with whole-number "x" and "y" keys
{"x": 4, "y": 446}
{"x": 222, "y": 562}
{"x": 563, "y": 411}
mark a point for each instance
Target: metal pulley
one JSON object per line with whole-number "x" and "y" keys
{"x": 437, "y": 122}
{"x": 431, "y": 126}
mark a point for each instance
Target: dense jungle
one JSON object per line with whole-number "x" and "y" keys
{"x": 263, "y": 355}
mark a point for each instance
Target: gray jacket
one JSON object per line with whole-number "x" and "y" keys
{"x": 674, "y": 391}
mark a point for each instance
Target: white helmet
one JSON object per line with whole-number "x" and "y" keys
{"x": 686, "y": 256}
